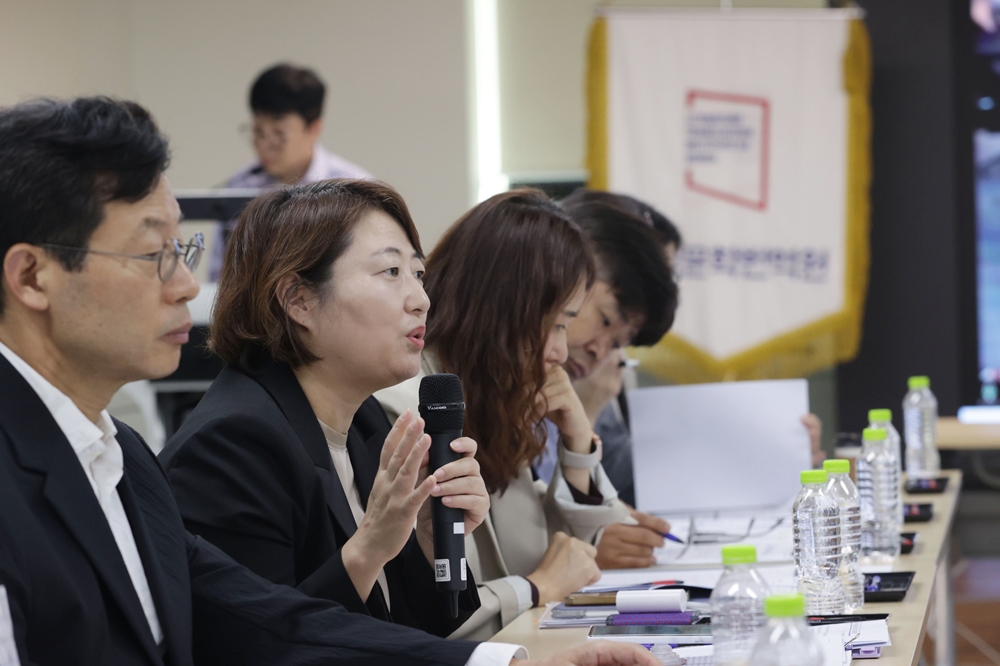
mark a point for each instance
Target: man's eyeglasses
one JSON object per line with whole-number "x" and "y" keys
{"x": 264, "y": 135}
{"x": 166, "y": 259}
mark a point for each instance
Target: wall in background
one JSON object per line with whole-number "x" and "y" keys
{"x": 397, "y": 100}
{"x": 543, "y": 51}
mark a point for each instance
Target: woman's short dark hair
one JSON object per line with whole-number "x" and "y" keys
{"x": 286, "y": 88}
{"x": 297, "y": 231}
{"x": 630, "y": 258}
{"x": 496, "y": 283}
{"x": 61, "y": 161}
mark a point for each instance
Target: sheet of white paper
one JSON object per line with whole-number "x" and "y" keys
{"x": 833, "y": 650}
{"x": 625, "y": 577}
{"x": 779, "y": 577}
{"x": 8, "y": 648}
{"x": 696, "y": 655}
{"x": 706, "y": 447}
{"x": 704, "y": 538}
{"x": 873, "y": 632}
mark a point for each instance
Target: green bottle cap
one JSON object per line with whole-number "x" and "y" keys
{"x": 879, "y": 415}
{"x": 739, "y": 554}
{"x": 837, "y": 466}
{"x": 874, "y": 434}
{"x": 785, "y": 605}
{"x": 814, "y": 476}
{"x": 919, "y": 382}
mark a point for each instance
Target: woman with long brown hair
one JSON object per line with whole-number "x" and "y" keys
{"x": 504, "y": 283}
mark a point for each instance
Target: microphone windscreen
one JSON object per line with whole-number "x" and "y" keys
{"x": 439, "y": 390}
{"x": 442, "y": 388}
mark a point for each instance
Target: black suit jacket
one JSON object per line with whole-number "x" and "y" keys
{"x": 252, "y": 474}
{"x": 71, "y": 598}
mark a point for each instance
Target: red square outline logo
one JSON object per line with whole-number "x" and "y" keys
{"x": 760, "y": 203}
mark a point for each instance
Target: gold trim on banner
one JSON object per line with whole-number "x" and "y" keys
{"x": 816, "y": 346}
{"x": 597, "y": 104}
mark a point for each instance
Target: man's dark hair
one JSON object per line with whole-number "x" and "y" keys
{"x": 284, "y": 89}
{"x": 630, "y": 258}
{"x": 662, "y": 226}
{"x": 61, "y": 161}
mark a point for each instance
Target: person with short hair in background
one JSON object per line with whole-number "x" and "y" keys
{"x": 287, "y": 106}
{"x": 633, "y": 304}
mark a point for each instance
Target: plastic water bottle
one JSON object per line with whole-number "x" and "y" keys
{"x": 878, "y": 484}
{"x": 920, "y": 412}
{"x": 786, "y": 640}
{"x": 845, "y": 493}
{"x": 882, "y": 418}
{"x": 737, "y": 603}
{"x": 816, "y": 523}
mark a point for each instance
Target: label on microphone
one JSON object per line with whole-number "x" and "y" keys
{"x": 442, "y": 570}
{"x": 463, "y": 569}
{"x": 458, "y": 528}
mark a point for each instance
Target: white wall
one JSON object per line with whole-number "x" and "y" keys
{"x": 543, "y": 55}
{"x": 395, "y": 71}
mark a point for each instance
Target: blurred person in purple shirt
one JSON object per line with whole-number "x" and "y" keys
{"x": 287, "y": 106}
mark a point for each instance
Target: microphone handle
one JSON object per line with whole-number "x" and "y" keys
{"x": 449, "y": 524}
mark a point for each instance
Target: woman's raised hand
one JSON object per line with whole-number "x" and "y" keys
{"x": 399, "y": 490}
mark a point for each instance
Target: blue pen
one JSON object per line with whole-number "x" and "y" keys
{"x": 673, "y": 538}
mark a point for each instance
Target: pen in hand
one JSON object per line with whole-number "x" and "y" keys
{"x": 673, "y": 538}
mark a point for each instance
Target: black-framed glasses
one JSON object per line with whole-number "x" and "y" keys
{"x": 166, "y": 259}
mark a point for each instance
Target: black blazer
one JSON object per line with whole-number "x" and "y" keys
{"x": 251, "y": 472}
{"x": 71, "y": 598}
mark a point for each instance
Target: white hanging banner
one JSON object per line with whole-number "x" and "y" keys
{"x": 749, "y": 130}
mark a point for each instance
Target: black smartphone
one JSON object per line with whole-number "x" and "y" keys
{"x": 926, "y": 486}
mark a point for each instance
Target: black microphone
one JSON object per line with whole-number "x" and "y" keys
{"x": 443, "y": 411}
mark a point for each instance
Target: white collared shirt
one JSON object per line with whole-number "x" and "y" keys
{"x": 323, "y": 166}
{"x": 103, "y": 463}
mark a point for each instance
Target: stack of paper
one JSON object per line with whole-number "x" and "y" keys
{"x": 857, "y": 639}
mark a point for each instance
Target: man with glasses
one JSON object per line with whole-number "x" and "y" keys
{"x": 287, "y": 105}
{"x": 95, "y": 565}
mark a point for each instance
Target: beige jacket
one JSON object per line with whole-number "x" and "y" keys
{"x": 512, "y": 540}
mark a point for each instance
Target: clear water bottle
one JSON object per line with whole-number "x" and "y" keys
{"x": 882, "y": 418}
{"x": 845, "y": 493}
{"x": 920, "y": 412}
{"x": 878, "y": 485}
{"x": 816, "y": 524}
{"x": 737, "y": 603}
{"x": 786, "y": 640}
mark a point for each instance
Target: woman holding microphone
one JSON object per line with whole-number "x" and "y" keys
{"x": 505, "y": 282}
{"x": 287, "y": 464}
